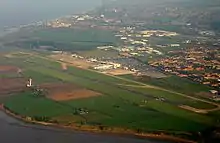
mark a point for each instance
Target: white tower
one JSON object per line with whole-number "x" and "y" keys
{"x": 29, "y": 84}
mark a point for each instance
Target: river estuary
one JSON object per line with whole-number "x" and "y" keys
{"x": 14, "y": 131}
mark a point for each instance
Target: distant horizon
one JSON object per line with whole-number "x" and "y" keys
{"x": 39, "y": 10}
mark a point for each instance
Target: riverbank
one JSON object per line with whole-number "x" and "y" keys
{"x": 98, "y": 129}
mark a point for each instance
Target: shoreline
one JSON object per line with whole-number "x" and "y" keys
{"x": 96, "y": 129}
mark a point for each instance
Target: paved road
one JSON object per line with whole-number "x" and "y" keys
{"x": 14, "y": 131}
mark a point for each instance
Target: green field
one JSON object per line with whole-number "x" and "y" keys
{"x": 38, "y": 77}
{"x": 28, "y": 105}
{"x": 65, "y": 39}
{"x": 119, "y": 105}
{"x": 174, "y": 83}
{"x": 121, "y": 113}
{"x": 76, "y": 35}
{"x": 173, "y": 98}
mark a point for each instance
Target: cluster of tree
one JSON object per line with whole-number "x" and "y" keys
{"x": 55, "y": 46}
{"x": 37, "y": 92}
{"x": 41, "y": 118}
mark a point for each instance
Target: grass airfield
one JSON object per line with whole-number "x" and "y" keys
{"x": 122, "y": 102}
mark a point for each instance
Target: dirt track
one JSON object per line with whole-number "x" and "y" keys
{"x": 193, "y": 109}
{"x": 118, "y": 72}
{"x": 66, "y": 58}
{"x": 64, "y": 66}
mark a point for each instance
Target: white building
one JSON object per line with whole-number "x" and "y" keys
{"x": 103, "y": 67}
{"x": 108, "y": 65}
{"x": 175, "y": 45}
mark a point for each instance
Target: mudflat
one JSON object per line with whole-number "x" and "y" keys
{"x": 12, "y": 131}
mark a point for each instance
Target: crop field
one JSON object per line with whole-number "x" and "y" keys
{"x": 38, "y": 77}
{"x": 172, "y": 98}
{"x": 63, "y": 38}
{"x": 28, "y": 105}
{"x": 8, "y": 69}
{"x": 107, "y": 100}
{"x": 77, "y": 35}
{"x": 65, "y": 92}
{"x": 174, "y": 83}
{"x": 145, "y": 118}
{"x": 11, "y": 85}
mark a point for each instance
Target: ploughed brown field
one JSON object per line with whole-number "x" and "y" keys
{"x": 8, "y": 69}
{"x": 64, "y": 91}
{"x": 12, "y": 85}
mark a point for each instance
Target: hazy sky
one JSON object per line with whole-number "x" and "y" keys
{"x": 22, "y": 11}
{"x": 23, "y": 5}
